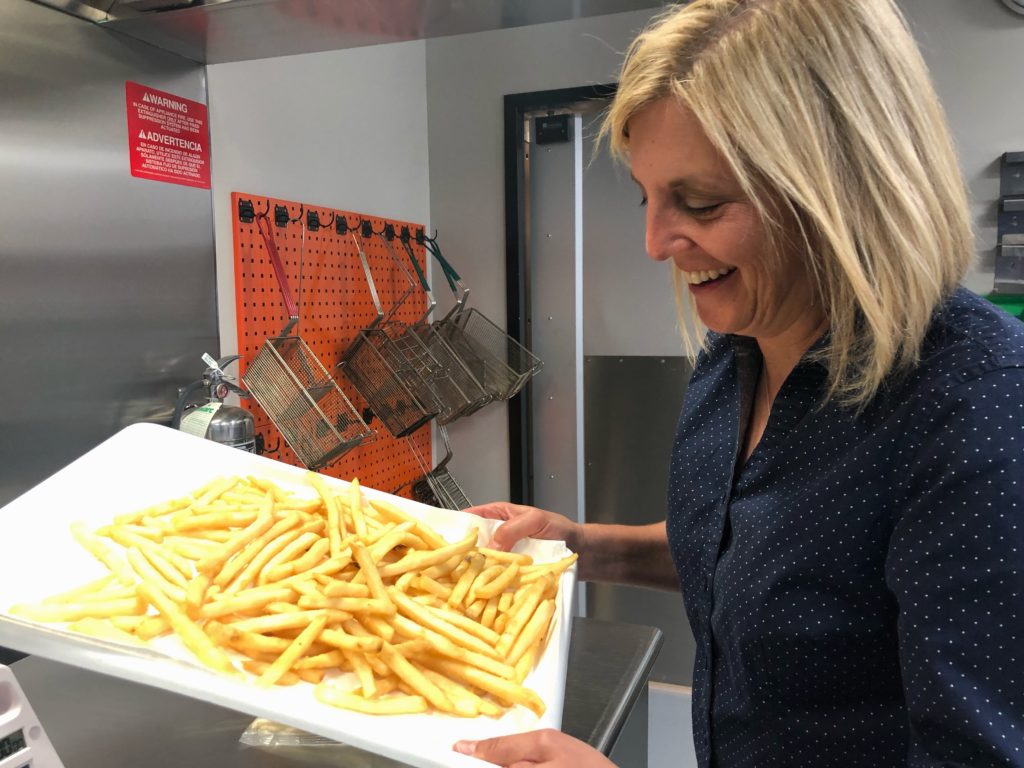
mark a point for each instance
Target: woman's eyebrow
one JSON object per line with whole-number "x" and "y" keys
{"x": 694, "y": 185}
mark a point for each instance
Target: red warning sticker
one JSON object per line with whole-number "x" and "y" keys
{"x": 168, "y": 137}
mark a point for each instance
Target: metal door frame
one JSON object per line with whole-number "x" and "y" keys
{"x": 517, "y": 260}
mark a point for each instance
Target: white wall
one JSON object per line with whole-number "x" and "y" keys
{"x": 467, "y": 77}
{"x": 343, "y": 129}
{"x": 973, "y": 48}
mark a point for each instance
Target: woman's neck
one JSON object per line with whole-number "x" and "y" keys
{"x": 781, "y": 353}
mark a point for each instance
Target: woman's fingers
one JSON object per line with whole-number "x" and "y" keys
{"x": 526, "y": 525}
{"x": 548, "y": 747}
{"x": 522, "y": 522}
{"x": 496, "y": 510}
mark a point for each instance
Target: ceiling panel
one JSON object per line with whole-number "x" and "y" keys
{"x": 216, "y": 31}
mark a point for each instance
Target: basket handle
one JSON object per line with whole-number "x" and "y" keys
{"x": 267, "y": 233}
{"x": 447, "y": 448}
{"x": 431, "y": 302}
{"x": 459, "y": 289}
{"x": 369, "y": 281}
{"x": 405, "y": 273}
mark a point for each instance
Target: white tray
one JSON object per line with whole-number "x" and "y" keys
{"x": 144, "y": 464}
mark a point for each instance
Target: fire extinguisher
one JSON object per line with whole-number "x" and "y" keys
{"x": 215, "y": 420}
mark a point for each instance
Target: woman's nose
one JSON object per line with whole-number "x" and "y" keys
{"x": 664, "y": 237}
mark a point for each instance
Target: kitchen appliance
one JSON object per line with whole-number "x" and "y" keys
{"x": 215, "y": 420}
{"x": 23, "y": 742}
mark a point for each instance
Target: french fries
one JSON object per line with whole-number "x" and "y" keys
{"x": 336, "y": 589}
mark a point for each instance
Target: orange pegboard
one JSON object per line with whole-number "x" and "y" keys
{"x": 334, "y": 303}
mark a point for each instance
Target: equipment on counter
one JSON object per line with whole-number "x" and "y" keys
{"x": 226, "y": 424}
{"x": 23, "y": 742}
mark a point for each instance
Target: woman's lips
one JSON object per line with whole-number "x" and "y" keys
{"x": 700, "y": 276}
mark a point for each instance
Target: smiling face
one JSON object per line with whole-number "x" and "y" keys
{"x": 699, "y": 218}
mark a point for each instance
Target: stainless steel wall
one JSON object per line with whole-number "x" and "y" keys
{"x": 631, "y": 406}
{"x": 106, "y": 281}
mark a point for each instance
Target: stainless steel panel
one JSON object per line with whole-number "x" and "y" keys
{"x": 631, "y": 406}
{"x": 556, "y": 297}
{"x": 106, "y": 281}
{"x": 236, "y": 30}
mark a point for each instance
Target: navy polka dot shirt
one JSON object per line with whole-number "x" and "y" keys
{"x": 856, "y": 589}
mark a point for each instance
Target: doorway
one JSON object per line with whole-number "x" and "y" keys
{"x": 591, "y": 437}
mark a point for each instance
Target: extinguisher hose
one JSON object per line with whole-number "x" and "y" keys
{"x": 183, "y": 399}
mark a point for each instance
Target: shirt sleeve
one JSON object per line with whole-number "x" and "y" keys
{"x": 956, "y": 567}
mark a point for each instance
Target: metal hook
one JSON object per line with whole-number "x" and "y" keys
{"x": 313, "y": 222}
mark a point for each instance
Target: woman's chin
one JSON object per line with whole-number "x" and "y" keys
{"x": 719, "y": 324}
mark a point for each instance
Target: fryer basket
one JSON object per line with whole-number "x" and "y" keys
{"x": 308, "y": 408}
{"x": 295, "y": 391}
{"x": 387, "y": 370}
{"x": 444, "y": 489}
{"x": 497, "y": 361}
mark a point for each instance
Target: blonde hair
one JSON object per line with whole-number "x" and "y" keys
{"x": 824, "y": 112}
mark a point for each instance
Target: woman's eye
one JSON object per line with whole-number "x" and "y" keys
{"x": 700, "y": 210}
{"x": 690, "y": 210}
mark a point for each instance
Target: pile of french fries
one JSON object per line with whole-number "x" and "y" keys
{"x": 310, "y": 587}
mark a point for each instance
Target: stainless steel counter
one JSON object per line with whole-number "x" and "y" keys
{"x": 96, "y": 721}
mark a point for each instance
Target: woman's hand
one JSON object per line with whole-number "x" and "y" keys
{"x": 529, "y": 522}
{"x": 616, "y": 554}
{"x": 537, "y": 749}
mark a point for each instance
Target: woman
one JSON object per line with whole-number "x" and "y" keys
{"x": 846, "y": 500}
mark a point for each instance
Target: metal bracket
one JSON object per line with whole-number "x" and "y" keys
{"x": 365, "y": 229}
{"x": 389, "y": 232}
{"x": 281, "y": 215}
{"x": 246, "y": 211}
{"x": 340, "y": 225}
{"x": 312, "y": 221}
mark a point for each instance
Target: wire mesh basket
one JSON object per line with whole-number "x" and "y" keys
{"x": 309, "y": 409}
{"x": 458, "y": 392}
{"x": 298, "y": 395}
{"x": 438, "y": 488}
{"x": 465, "y": 393}
{"x": 500, "y": 364}
{"x": 391, "y": 368}
{"x": 436, "y": 387}
{"x": 392, "y": 388}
